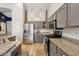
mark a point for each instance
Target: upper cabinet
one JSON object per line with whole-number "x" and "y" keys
{"x": 73, "y": 14}
{"x": 62, "y": 16}
{"x": 36, "y": 14}
{"x": 67, "y": 15}
{"x": 54, "y": 16}
{"x": 50, "y": 19}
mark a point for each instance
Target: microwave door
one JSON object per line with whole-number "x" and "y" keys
{"x": 52, "y": 25}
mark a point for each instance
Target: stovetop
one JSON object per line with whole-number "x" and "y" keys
{"x": 53, "y": 36}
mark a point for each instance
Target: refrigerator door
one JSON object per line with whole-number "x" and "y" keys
{"x": 31, "y": 32}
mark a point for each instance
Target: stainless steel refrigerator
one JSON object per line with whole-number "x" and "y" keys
{"x": 28, "y": 33}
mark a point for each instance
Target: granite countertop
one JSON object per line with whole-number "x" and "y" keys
{"x": 70, "y": 48}
{"x": 5, "y": 47}
{"x": 9, "y": 45}
{"x": 45, "y": 33}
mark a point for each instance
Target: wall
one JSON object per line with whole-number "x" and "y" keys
{"x": 9, "y": 27}
{"x": 6, "y": 27}
{"x": 53, "y": 7}
{"x": 3, "y": 28}
{"x": 36, "y": 14}
{"x": 18, "y": 20}
{"x": 8, "y": 6}
{"x": 8, "y": 14}
{"x": 71, "y": 33}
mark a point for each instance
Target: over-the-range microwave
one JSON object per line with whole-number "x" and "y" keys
{"x": 53, "y": 25}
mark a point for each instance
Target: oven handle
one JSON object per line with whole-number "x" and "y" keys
{"x": 44, "y": 39}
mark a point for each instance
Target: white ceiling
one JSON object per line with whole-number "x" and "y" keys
{"x": 26, "y": 6}
{"x": 36, "y": 5}
{"x": 4, "y": 10}
{"x": 8, "y": 11}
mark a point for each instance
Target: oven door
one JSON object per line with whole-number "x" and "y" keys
{"x": 45, "y": 40}
{"x": 46, "y": 43}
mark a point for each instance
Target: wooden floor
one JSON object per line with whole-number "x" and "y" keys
{"x": 35, "y": 49}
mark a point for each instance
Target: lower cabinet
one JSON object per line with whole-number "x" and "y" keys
{"x": 7, "y": 53}
{"x": 38, "y": 38}
{"x": 52, "y": 49}
{"x": 55, "y": 50}
{"x": 60, "y": 52}
{"x": 16, "y": 51}
{"x": 13, "y": 52}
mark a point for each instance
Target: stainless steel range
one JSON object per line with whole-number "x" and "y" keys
{"x": 56, "y": 34}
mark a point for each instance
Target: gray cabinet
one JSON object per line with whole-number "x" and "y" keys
{"x": 50, "y": 18}
{"x": 55, "y": 50}
{"x": 16, "y": 51}
{"x": 52, "y": 49}
{"x": 54, "y": 16}
{"x": 60, "y": 52}
{"x": 38, "y": 25}
{"x": 73, "y": 14}
{"x": 62, "y": 16}
{"x": 38, "y": 38}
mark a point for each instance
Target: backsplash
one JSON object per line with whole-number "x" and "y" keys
{"x": 44, "y": 30}
{"x": 71, "y": 33}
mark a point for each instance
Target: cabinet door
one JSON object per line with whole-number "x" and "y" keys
{"x": 59, "y": 52}
{"x": 50, "y": 19}
{"x": 54, "y": 16}
{"x": 38, "y": 38}
{"x": 7, "y": 53}
{"x": 52, "y": 49}
{"x": 73, "y": 14}
{"x": 62, "y": 16}
{"x": 16, "y": 51}
{"x": 38, "y": 25}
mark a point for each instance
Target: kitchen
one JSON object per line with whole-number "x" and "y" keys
{"x": 39, "y": 29}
